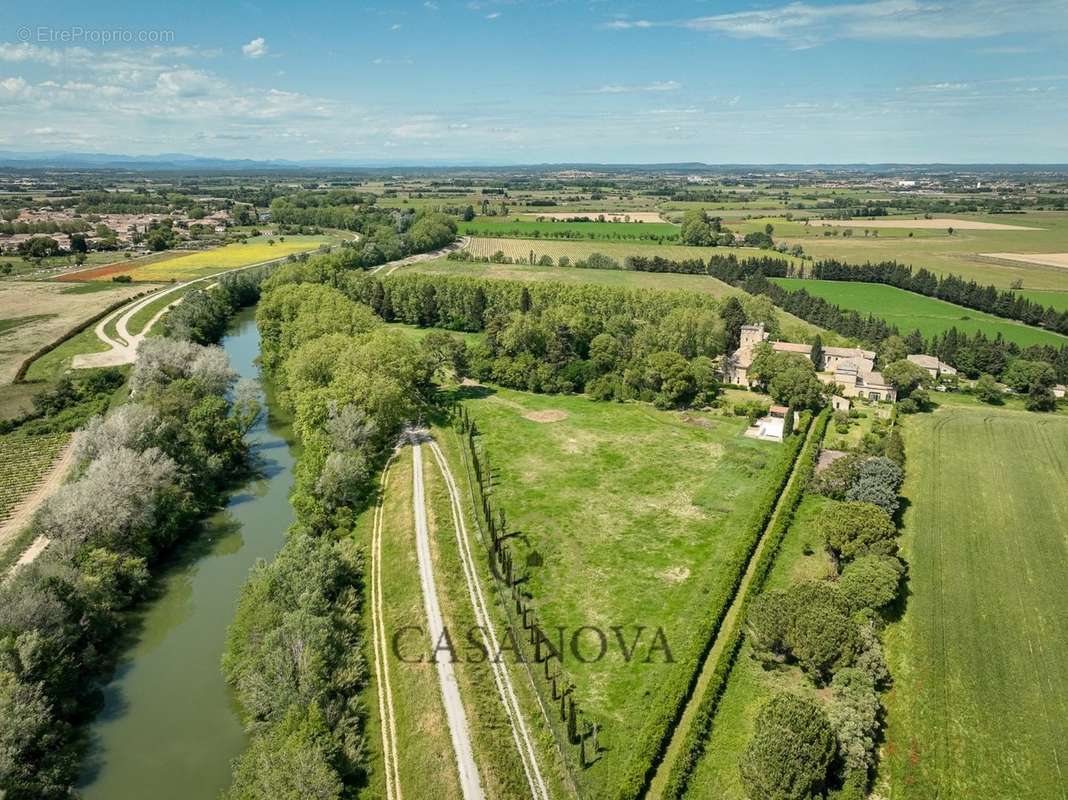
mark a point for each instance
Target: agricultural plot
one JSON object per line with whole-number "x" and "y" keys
{"x": 626, "y": 517}
{"x": 576, "y": 249}
{"x": 589, "y": 230}
{"x": 23, "y": 462}
{"x": 962, "y": 253}
{"x": 47, "y": 310}
{"x": 1059, "y": 300}
{"x": 979, "y": 707}
{"x": 910, "y": 311}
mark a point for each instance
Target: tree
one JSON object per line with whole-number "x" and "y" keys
{"x": 905, "y": 376}
{"x": 1023, "y": 375}
{"x": 798, "y": 387}
{"x": 733, "y": 316}
{"x": 987, "y": 389}
{"x": 817, "y": 352}
{"x": 469, "y": 213}
{"x": 869, "y": 489}
{"x": 1041, "y": 398}
{"x": 696, "y": 229}
{"x": 790, "y": 751}
{"x": 870, "y": 582}
{"x": 820, "y": 635}
{"x": 854, "y": 716}
{"x": 853, "y": 528}
{"x": 668, "y": 375}
{"x": 892, "y": 349}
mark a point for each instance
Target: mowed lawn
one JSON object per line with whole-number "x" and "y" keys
{"x": 979, "y": 708}
{"x": 910, "y": 311}
{"x": 633, "y": 512}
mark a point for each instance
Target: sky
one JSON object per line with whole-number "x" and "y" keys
{"x": 526, "y": 82}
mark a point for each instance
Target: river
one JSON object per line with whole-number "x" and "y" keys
{"x": 169, "y": 727}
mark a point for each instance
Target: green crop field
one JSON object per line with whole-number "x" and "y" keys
{"x": 632, "y": 511}
{"x": 910, "y": 311}
{"x": 1059, "y": 300}
{"x": 979, "y": 707}
{"x": 588, "y": 230}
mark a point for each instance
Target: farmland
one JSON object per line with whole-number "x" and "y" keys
{"x": 632, "y": 512}
{"x": 575, "y": 249}
{"x": 578, "y": 230}
{"x": 201, "y": 264}
{"x": 910, "y": 311}
{"x": 980, "y": 658}
{"x": 23, "y": 460}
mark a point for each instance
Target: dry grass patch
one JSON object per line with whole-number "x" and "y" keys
{"x": 550, "y": 415}
{"x": 923, "y": 224}
{"x": 1045, "y": 259}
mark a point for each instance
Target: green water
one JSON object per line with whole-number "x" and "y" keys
{"x": 169, "y": 727}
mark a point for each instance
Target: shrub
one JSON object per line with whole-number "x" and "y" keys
{"x": 854, "y": 715}
{"x": 790, "y": 751}
{"x": 820, "y": 634}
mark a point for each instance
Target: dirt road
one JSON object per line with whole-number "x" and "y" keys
{"x": 459, "y": 731}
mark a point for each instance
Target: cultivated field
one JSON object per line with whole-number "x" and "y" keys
{"x": 632, "y": 512}
{"x": 610, "y": 216}
{"x": 23, "y": 461}
{"x": 521, "y": 248}
{"x": 910, "y": 311}
{"x": 1045, "y": 259}
{"x": 979, "y": 707}
{"x": 37, "y": 313}
{"x": 942, "y": 223}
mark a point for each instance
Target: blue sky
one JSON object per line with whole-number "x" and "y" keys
{"x": 491, "y": 81}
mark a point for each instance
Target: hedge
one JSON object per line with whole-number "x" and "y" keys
{"x": 697, "y": 735}
{"x": 656, "y": 733}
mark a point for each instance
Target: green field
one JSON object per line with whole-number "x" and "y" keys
{"x": 1059, "y": 300}
{"x": 910, "y": 311}
{"x": 632, "y": 511}
{"x": 979, "y": 707}
{"x": 589, "y": 230}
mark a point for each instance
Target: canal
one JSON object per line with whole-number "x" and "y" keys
{"x": 169, "y": 727}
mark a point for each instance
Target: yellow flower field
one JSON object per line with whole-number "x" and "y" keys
{"x": 198, "y": 265}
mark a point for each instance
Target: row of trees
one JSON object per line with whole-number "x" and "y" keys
{"x": 951, "y": 288}
{"x": 144, "y": 474}
{"x": 294, "y": 653}
{"x": 806, "y": 743}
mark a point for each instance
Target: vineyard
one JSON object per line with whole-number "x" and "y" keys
{"x": 24, "y": 460}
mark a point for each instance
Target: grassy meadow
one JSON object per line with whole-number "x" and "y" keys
{"x": 632, "y": 511}
{"x": 979, "y": 707}
{"x": 910, "y": 311}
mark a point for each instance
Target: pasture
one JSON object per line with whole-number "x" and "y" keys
{"x": 578, "y": 230}
{"x": 979, "y": 707}
{"x": 632, "y": 513}
{"x": 910, "y": 311}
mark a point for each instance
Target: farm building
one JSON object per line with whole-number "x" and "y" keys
{"x": 851, "y": 367}
{"x": 930, "y": 363}
{"x": 840, "y": 403}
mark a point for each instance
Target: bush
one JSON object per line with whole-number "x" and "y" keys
{"x": 790, "y": 752}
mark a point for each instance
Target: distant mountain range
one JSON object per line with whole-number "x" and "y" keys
{"x": 185, "y": 162}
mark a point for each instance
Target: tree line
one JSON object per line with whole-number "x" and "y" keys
{"x": 144, "y": 475}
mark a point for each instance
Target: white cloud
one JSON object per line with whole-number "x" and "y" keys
{"x": 395, "y": 26}
{"x": 494, "y": 15}
{"x": 625, "y": 88}
{"x": 256, "y": 48}
{"x": 805, "y": 24}
{"x": 13, "y": 89}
